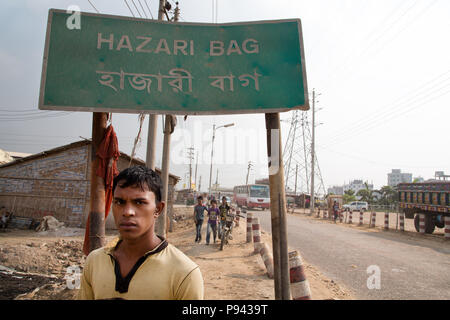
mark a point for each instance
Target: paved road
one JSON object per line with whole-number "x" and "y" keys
{"x": 410, "y": 267}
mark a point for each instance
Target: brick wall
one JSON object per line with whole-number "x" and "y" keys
{"x": 53, "y": 185}
{"x": 56, "y": 184}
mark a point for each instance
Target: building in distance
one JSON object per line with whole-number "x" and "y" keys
{"x": 397, "y": 176}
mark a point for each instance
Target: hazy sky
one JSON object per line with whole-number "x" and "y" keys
{"x": 382, "y": 68}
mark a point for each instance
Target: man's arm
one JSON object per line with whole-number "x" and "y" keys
{"x": 195, "y": 216}
{"x": 85, "y": 292}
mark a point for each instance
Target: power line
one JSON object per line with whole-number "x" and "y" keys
{"x": 348, "y": 58}
{"x": 93, "y": 6}
{"x": 142, "y": 8}
{"x": 129, "y": 8}
{"x": 396, "y": 165}
{"x": 36, "y": 117}
{"x": 151, "y": 14}
{"x": 352, "y": 66}
{"x": 384, "y": 121}
{"x": 136, "y": 8}
{"x": 397, "y": 105}
{"x": 383, "y": 45}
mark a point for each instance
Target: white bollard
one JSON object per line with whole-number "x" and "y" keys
{"x": 422, "y": 223}
{"x": 267, "y": 259}
{"x": 373, "y": 219}
{"x": 402, "y": 221}
{"x": 447, "y": 228}
{"x": 256, "y": 229}
{"x": 300, "y": 289}
{"x": 386, "y": 221}
{"x": 249, "y": 226}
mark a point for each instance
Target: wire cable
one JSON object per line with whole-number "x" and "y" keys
{"x": 129, "y": 8}
{"x": 93, "y": 6}
{"x": 143, "y": 9}
{"x": 389, "y": 109}
{"x": 136, "y": 8}
{"x": 151, "y": 14}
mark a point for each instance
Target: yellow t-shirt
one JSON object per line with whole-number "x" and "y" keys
{"x": 166, "y": 273}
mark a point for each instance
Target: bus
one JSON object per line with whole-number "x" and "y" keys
{"x": 252, "y": 196}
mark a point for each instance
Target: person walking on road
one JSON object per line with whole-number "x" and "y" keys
{"x": 199, "y": 214}
{"x": 213, "y": 215}
{"x": 335, "y": 210}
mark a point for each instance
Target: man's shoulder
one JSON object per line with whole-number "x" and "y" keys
{"x": 179, "y": 260}
{"x": 102, "y": 253}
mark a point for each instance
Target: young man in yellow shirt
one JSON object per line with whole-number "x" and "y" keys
{"x": 140, "y": 265}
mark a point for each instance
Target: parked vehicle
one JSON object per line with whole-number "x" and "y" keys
{"x": 428, "y": 198}
{"x": 356, "y": 206}
{"x": 252, "y": 196}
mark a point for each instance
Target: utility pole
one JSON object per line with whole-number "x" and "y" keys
{"x": 212, "y": 150}
{"x": 212, "y": 154}
{"x": 152, "y": 119}
{"x": 311, "y": 203}
{"x": 97, "y": 201}
{"x": 195, "y": 181}
{"x": 199, "y": 184}
{"x": 248, "y": 171}
{"x": 191, "y": 157}
{"x": 277, "y": 207}
{"x": 169, "y": 127}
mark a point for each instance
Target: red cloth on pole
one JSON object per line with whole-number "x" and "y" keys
{"x": 108, "y": 154}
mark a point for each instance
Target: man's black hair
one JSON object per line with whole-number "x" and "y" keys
{"x": 140, "y": 176}
{"x": 213, "y": 201}
{"x": 199, "y": 198}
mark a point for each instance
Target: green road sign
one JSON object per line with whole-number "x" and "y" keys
{"x": 122, "y": 64}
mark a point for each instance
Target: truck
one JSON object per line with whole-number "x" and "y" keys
{"x": 428, "y": 198}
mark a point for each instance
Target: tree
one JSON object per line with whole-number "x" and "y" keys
{"x": 388, "y": 195}
{"x": 349, "y": 196}
{"x": 366, "y": 194}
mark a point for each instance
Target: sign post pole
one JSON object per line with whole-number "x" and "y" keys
{"x": 152, "y": 119}
{"x": 97, "y": 200}
{"x": 277, "y": 207}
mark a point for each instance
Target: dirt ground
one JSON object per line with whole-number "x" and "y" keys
{"x": 39, "y": 266}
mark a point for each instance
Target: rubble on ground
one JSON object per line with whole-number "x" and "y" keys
{"x": 49, "y": 223}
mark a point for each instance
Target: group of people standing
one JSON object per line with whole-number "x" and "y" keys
{"x": 216, "y": 218}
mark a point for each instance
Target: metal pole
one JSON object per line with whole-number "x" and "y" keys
{"x": 191, "y": 157}
{"x": 161, "y": 222}
{"x": 169, "y": 126}
{"x": 196, "y": 165}
{"x": 152, "y": 120}
{"x": 296, "y": 172}
{"x": 97, "y": 200}
{"x": 212, "y": 152}
{"x": 311, "y": 203}
{"x": 278, "y": 209}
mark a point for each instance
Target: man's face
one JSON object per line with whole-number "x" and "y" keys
{"x": 199, "y": 202}
{"x": 135, "y": 211}
{"x": 224, "y": 201}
